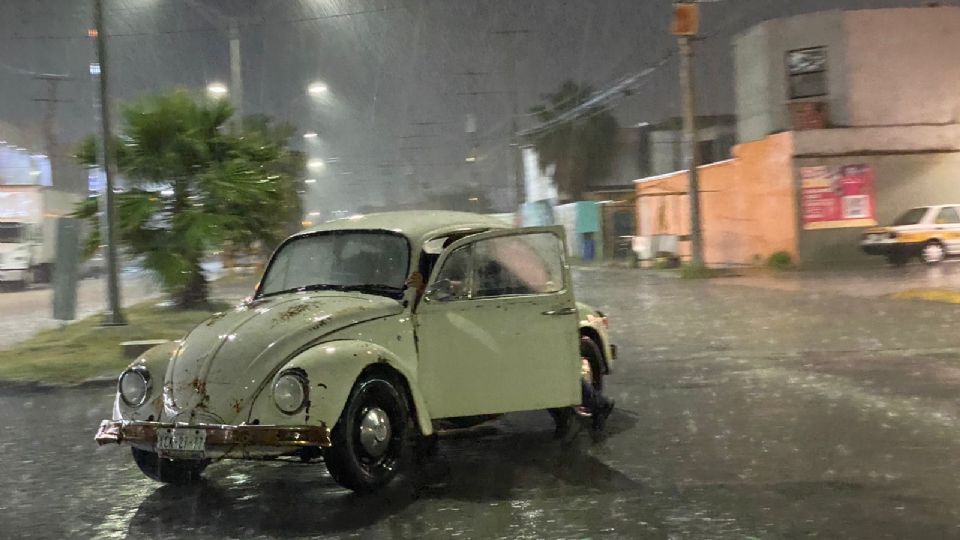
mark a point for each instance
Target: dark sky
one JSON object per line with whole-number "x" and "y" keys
{"x": 395, "y": 69}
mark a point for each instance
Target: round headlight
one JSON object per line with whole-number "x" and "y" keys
{"x": 134, "y": 386}
{"x": 290, "y": 392}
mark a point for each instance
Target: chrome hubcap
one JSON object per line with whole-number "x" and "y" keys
{"x": 933, "y": 253}
{"x": 375, "y": 432}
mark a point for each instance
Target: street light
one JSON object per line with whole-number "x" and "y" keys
{"x": 310, "y": 135}
{"x": 310, "y": 181}
{"x": 217, "y": 90}
{"x": 315, "y": 164}
{"x": 317, "y": 89}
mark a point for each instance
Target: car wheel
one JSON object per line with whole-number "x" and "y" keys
{"x": 170, "y": 471}
{"x": 932, "y": 252}
{"x": 370, "y": 439}
{"x": 590, "y": 352}
{"x": 897, "y": 260}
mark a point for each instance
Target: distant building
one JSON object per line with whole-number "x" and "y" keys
{"x": 878, "y": 68}
{"x": 845, "y": 119}
{"x": 661, "y": 144}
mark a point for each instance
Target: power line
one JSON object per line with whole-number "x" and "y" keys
{"x": 210, "y": 29}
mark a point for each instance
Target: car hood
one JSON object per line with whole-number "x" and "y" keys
{"x": 222, "y": 363}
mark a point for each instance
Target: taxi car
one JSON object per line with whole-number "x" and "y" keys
{"x": 929, "y": 232}
{"x": 363, "y": 335}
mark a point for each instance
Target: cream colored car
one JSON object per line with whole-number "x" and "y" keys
{"x": 346, "y": 353}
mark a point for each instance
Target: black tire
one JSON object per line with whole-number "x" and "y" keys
{"x": 897, "y": 259}
{"x": 170, "y": 471}
{"x": 565, "y": 423}
{"x": 466, "y": 422}
{"x": 925, "y": 254}
{"x": 591, "y": 351}
{"x": 350, "y": 463}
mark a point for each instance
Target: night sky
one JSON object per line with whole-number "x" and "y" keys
{"x": 397, "y": 71}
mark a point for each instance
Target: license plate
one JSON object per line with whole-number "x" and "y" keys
{"x": 181, "y": 442}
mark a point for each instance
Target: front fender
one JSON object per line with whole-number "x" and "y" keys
{"x": 332, "y": 368}
{"x": 155, "y": 360}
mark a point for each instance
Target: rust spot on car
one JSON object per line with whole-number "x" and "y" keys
{"x": 199, "y": 385}
{"x": 215, "y": 317}
{"x": 237, "y": 405}
{"x": 292, "y": 312}
{"x": 320, "y": 323}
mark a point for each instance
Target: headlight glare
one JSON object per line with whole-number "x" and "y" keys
{"x": 290, "y": 392}
{"x": 134, "y": 386}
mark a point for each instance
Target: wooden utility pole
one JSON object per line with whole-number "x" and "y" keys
{"x": 686, "y": 22}
{"x": 114, "y": 315}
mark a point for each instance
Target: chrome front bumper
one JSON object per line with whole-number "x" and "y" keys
{"x": 222, "y": 440}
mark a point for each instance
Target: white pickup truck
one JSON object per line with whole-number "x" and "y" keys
{"x": 28, "y": 230}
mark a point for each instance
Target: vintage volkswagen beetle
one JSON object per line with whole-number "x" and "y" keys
{"x": 345, "y": 352}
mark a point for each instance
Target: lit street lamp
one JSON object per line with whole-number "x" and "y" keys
{"x": 217, "y": 90}
{"x": 317, "y": 89}
{"x": 315, "y": 164}
{"x": 310, "y": 135}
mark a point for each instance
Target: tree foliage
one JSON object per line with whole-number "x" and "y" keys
{"x": 194, "y": 184}
{"x": 580, "y": 150}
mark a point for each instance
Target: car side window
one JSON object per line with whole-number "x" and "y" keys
{"x": 948, "y": 216}
{"x": 456, "y": 272}
{"x": 517, "y": 265}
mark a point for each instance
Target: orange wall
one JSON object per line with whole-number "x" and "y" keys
{"x": 748, "y": 206}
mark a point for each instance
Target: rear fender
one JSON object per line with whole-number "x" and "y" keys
{"x": 332, "y": 368}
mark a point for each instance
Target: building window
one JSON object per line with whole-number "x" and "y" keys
{"x": 807, "y": 72}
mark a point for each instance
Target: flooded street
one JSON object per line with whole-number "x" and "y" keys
{"x": 742, "y": 412}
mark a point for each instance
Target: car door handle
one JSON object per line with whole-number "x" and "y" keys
{"x": 564, "y": 311}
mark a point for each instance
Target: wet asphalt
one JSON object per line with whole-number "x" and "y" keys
{"x": 742, "y": 412}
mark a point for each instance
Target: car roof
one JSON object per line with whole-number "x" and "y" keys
{"x": 417, "y": 225}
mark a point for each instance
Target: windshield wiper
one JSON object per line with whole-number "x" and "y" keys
{"x": 372, "y": 288}
{"x": 375, "y": 288}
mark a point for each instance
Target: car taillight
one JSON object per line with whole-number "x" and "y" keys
{"x": 603, "y": 319}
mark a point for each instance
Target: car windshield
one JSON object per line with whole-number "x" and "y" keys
{"x": 10, "y": 233}
{"x": 373, "y": 262}
{"x": 910, "y": 217}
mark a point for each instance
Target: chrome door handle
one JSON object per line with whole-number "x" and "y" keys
{"x": 564, "y": 311}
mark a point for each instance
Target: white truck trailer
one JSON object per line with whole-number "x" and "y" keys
{"x": 28, "y": 230}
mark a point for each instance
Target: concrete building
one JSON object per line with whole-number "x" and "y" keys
{"x": 872, "y": 101}
{"x": 661, "y": 144}
{"x": 845, "y": 119}
{"x": 865, "y": 68}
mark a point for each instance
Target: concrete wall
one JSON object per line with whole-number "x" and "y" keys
{"x": 748, "y": 204}
{"x": 904, "y": 66}
{"x": 900, "y": 182}
{"x": 761, "y": 73}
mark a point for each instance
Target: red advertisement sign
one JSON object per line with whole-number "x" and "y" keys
{"x": 834, "y": 197}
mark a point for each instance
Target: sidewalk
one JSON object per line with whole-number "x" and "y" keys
{"x": 914, "y": 281}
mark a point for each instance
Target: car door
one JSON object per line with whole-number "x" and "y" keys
{"x": 947, "y": 225}
{"x": 497, "y": 328}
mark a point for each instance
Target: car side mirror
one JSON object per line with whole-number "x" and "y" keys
{"x": 439, "y": 291}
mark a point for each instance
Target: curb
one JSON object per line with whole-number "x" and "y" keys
{"x": 43, "y": 386}
{"x": 946, "y": 296}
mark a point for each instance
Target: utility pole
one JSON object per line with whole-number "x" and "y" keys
{"x": 50, "y": 132}
{"x": 514, "y": 143}
{"x": 686, "y": 22}
{"x": 114, "y": 316}
{"x": 236, "y": 76}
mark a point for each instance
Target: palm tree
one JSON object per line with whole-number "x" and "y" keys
{"x": 194, "y": 184}
{"x": 581, "y": 149}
